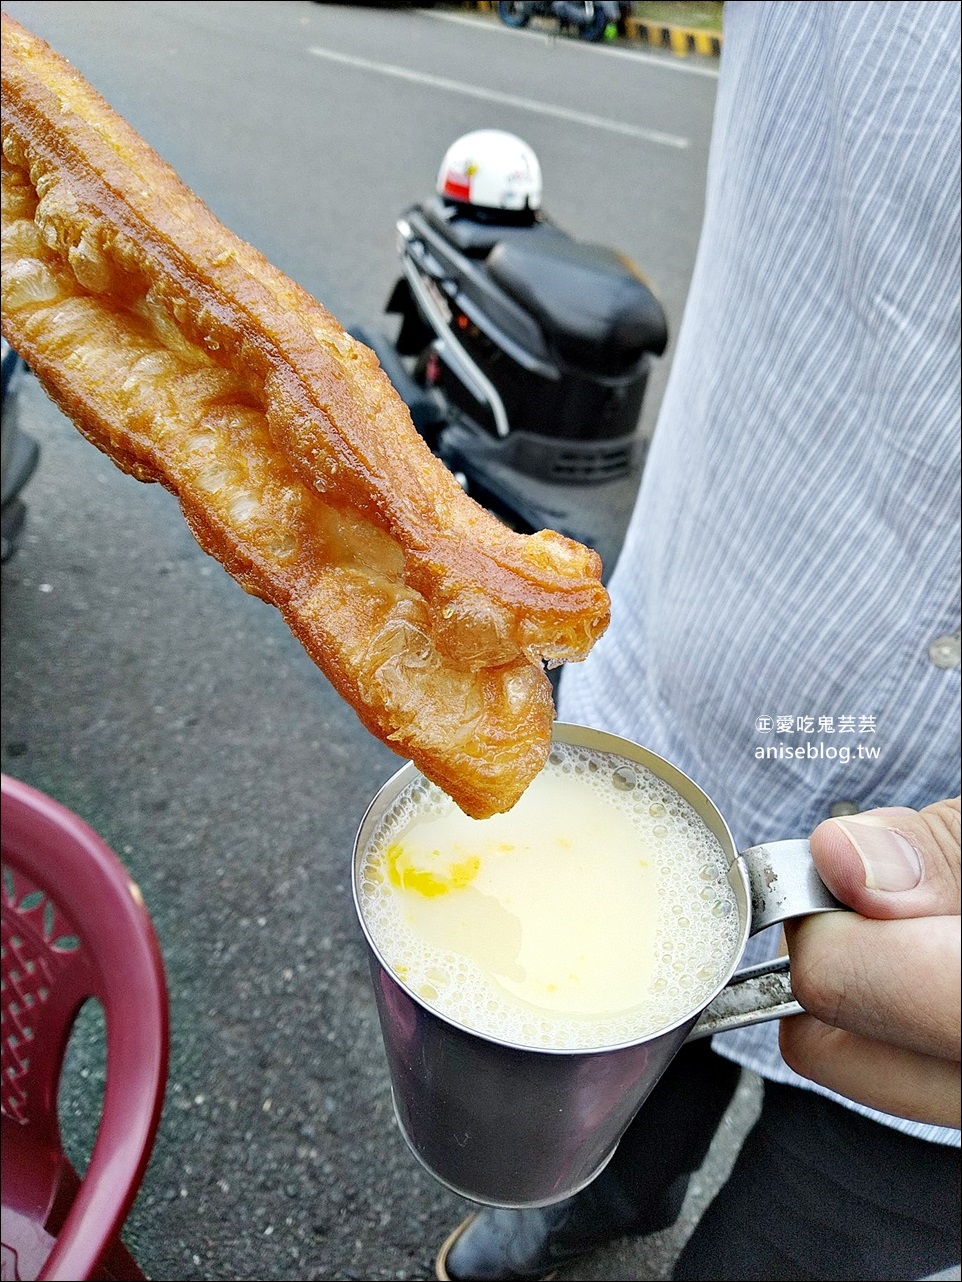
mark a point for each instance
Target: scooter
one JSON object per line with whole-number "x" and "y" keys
{"x": 523, "y": 355}
{"x": 19, "y": 454}
{"x": 589, "y": 20}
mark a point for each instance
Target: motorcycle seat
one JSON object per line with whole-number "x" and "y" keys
{"x": 593, "y": 308}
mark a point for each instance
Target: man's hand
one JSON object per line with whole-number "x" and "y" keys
{"x": 881, "y": 985}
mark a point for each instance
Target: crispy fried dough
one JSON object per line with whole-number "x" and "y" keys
{"x": 185, "y": 356}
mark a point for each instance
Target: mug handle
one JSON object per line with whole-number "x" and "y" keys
{"x": 783, "y": 884}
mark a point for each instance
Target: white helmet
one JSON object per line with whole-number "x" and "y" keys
{"x": 493, "y": 169}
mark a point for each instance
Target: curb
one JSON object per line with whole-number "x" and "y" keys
{"x": 679, "y": 40}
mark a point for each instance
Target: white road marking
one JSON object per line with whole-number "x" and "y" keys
{"x": 665, "y": 62}
{"x": 505, "y": 99}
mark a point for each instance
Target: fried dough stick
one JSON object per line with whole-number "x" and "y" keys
{"x": 180, "y": 352}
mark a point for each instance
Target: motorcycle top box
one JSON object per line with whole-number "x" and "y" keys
{"x": 524, "y": 355}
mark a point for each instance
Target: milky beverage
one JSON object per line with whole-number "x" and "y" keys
{"x": 596, "y": 912}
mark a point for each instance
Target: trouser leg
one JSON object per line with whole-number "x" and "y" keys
{"x": 819, "y": 1191}
{"x": 643, "y": 1186}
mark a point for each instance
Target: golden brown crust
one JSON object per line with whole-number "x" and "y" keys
{"x": 183, "y": 354}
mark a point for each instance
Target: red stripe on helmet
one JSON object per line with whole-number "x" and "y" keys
{"x": 457, "y": 186}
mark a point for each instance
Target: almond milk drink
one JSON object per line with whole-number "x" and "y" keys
{"x": 596, "y": 912}
{"x": 535, "y": 972}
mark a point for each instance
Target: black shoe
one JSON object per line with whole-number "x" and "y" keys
{"x": 494, "y": 1245}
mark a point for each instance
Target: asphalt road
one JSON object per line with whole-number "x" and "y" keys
{"x": 145, "y": 690}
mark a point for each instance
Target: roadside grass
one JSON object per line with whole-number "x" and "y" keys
{"x": 700, "y": 15}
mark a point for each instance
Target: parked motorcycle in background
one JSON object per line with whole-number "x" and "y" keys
{"x": 19, "y": 453}
{"x": 589, "y": 20}
{"x": 522, "y": 353}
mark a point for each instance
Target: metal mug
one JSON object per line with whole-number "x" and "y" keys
{"x": 506, "y": 1125}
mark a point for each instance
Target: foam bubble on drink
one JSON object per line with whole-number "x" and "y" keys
{"x": 597, "y": 911}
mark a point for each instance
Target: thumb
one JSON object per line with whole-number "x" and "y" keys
{"x": 893, "y": 863}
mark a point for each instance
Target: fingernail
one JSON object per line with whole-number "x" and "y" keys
{"x": 891, "y": 861}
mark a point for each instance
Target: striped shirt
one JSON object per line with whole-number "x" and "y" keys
{"x": 794, "y": 551}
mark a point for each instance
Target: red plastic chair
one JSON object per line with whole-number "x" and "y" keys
{"x": 74, "y": 927}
